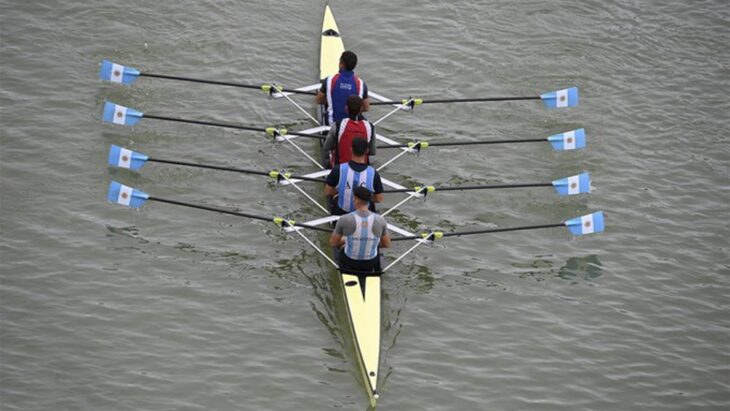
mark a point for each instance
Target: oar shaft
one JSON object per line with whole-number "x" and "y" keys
{"x": 481, "y": 187}
{"x": 225, "y": 125}
{"x": 470, "y": 143}
{"x": 229, "y": 212}
{"x": 218, "y": 83}
{"x": 462, "y": 100}
{"x": 233, "y": 169}
{"x": 489, "y": 231}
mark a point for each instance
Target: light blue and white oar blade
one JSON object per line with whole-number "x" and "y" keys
{"x": 116, "y": 73}
{"x": 587, "y": 224}
{"x": 126, "y": 196}
{"x": 577, "y": 184}
{"x": 561, "y": 98}
{"x": 570, "y": 140}
{"x": 124, "y": 116}
{"x": 125, "y": 158}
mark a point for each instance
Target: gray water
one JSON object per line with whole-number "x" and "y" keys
{"x": 168, "y": 308}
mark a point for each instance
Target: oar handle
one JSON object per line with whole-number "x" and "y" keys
{"x": 218, "y": 83}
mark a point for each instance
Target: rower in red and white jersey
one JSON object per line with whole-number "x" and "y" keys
{"x": 336, "y": 147}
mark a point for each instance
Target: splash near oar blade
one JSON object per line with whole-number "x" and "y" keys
{"x": 125, "y": 195}
{"x": 577, "y": 184}
{"x": 116, "y": 73}
{"x": 587, "y": 224}
{"x": 570, "y": 140}
{"x": 125, "y": 158}
{"x": 561, "y": 98}
{"x": 120, "y": 115}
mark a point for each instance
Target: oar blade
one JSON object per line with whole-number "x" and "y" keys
{"x": 577, "y": 184}
{"x": 587, "y": 224}
{"x": 570, "y": 140}
{"x": 125, "y": 195}
{"x": 125, "y": 158}
{"x": 116, "y": 73}
{"x": 123, "y": 116}
{"x": 561, "y": 98}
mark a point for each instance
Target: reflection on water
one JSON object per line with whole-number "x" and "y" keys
{"x": 585, "y": 268}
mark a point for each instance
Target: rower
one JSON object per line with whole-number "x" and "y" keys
{"x": 359, "y": 235}
{"x": 336, "y": 88}
{"x": 345, "y": 178}
{"x": 339, "y": 139}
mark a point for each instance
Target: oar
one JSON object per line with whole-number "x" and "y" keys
{"x": 131, "y": 197}
{"x": 569, "y": 140}
{"x": 577, "y": 184}
{"x": 554, "y": 99}
{"x": 124, "y": 158}
{"x": 125, "y": 116}
{"x": 117, "y": 73}
{"x": 587, "y": 224}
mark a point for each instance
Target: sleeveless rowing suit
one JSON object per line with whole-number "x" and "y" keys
{"x": 339, "y": 87}
{"x": 361, "y": 248}
{"x": 349, "y": 179}
{"x": 347, "y": 129}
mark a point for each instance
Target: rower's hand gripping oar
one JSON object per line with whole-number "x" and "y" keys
{"x": 553, "y": 99}
{"x": 117, "y": 73}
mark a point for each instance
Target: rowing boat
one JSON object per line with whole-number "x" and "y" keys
{"x": 361, "y": 293}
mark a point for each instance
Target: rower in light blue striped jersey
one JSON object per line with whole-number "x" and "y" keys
{"x": 358, "y": 236}
{"x": 346, "y": 177}
{"x": 338, "y": 87}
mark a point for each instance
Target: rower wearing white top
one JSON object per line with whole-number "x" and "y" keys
{"x": 346, "y": 177}
{"x": 359, "y": 235}
{"x": 337, "y": 87}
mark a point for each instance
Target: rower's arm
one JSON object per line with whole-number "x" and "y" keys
{"x": 378, "y": 198}
{"x": 385, "y": 241}
{"x": 365, "y": 104}
{"x": 320, "y": 98}
{"x": 329, "y": 191}
{"x": 336, "y": 240}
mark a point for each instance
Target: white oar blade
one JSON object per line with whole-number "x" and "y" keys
{"x": 116, "y": 73}
{"x": 125, "y": 158}
{"x": 570, "y": 140}
{"x": 587, "y": 224}
{"x": 126, "y": 196}
{"x": 577, "y": 184}
{"x": 561, "y": 98}
{"x": 123, "y": 116}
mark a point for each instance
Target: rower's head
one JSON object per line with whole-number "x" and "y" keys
{"x": 348, "y": 60}
{"x": 363, "y": 196}
{"x": 359, "y": 149}
{"x": 354, "y": 105}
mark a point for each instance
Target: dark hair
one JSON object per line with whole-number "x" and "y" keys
{"x": 354, "y": 104}
{"x": 349, "y": 59}
{"x": 363, "y": 193}
{"x": 359, "y": 145}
